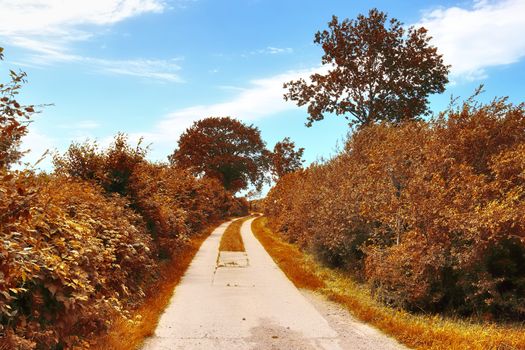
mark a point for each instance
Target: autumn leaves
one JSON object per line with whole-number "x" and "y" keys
{"x": 233, "y": 153}
{"x": 427, "y": 211}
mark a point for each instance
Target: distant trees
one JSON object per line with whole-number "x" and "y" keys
{"x": 285, "y": 158}
{"x": 377, "y": 73}
{"x": 225, "y": 149}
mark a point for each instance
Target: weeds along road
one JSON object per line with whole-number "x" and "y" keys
{"x": 253, "y": 306}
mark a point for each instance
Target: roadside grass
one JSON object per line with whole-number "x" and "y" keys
{"x": 128, "y": 334}
{"x": 231, "y": 240}
{"x": 415, "y": 331}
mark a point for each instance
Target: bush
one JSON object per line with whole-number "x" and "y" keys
{"x": 172, "y": 201}
{"x": 70, "y": 256}
{"x": 80, "y": 245}
{"x": 429, "y": 213}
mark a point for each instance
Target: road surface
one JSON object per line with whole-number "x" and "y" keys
{"x": 244, "y": 301}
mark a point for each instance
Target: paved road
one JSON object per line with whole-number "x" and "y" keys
{"x": 250, "y": 306}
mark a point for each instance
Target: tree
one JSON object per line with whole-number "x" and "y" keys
{"x": 285, "y": 159}
{"x": 376, "y": 73}
{"x": 225, "y": 149}
{"x": 14, "y": 118}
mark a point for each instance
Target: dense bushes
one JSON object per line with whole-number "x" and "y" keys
{"x": 69, "y": 255}
{"x": 429, "y": 213}
{"x": 172, "y": 202}
{"x": 82, "y": 244}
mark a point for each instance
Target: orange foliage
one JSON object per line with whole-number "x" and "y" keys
{"x": 14, "y": 118}
{"x": 423, "y": 331}
{"x": 81, "y": 246}
{"x": 379, "y": 71}
{"x": 429, "y": 213}
{"x": 224, "y": 149}
{"x": 285, "y": 159}
{"x": 69, "y": 255}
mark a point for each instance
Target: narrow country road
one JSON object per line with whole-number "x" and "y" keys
{"x": 253, "y": 307}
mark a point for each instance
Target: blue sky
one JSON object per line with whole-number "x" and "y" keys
{"x": 152, "y": 67}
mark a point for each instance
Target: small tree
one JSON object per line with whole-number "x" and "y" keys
{"x": 14, "y": 118}
{"x": 225, "y": 149}
{"x": 377, "y": 73}
{"x": 285, "y": 159}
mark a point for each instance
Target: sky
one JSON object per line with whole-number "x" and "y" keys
{"x": 150, "y": 68}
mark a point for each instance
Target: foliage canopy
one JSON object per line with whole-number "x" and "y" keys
{"x": 285, "y": 158}
{"x": 14, "y": 117}
{"x": 223, "y": 148}
{"x": 376, "y": 72}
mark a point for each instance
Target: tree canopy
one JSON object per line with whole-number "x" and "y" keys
{"x": 225, "y": 149}
{"x": 285, "y": 158}
{"x": 377, "y": 72}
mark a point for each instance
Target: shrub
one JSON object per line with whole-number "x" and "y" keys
{"x": 429, "y": 213}
{"x": 171, "y": 200}
{"x": 70, "y": 256}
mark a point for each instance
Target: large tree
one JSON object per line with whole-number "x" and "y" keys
{"x": 376, "y": 72}
{"x": 286, "y": 158}
{"x": 225, "y": 149}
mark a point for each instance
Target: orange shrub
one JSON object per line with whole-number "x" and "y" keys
{"x": 80, "y": 245}
{"x": 69, "y": 256}
{"x": 171, "y": 200}
{"x": 429, "y": 213}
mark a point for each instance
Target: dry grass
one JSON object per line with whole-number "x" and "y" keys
{"x": 231, "y": 240}
{"x": 130, "y": 334}
{"x": 415, "y": 331}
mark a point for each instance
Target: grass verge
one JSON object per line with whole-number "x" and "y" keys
{"x": 231, "y": 240}
{"x": 415, "y": 331}
{"x": 127, "y": 334}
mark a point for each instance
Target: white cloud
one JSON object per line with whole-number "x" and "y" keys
{"x": 489, "y": 33}
{"x": 59, "y": 17}
{"x": 262, "y": 98}
{"x": 271, "y": 50}
{"x": 48, "y": 28}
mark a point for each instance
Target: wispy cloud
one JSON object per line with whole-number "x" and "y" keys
{"x": 487, "y": 34}
{"x": 152, "y": 69}
{"x": 161, "y": 70}
{"x": 260, "y": 99}
{"x": 58, "y": 17}
{"x": 271, "y": 50}
{"x": 47, "y": 29}
{"x": 81, "y": 125}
